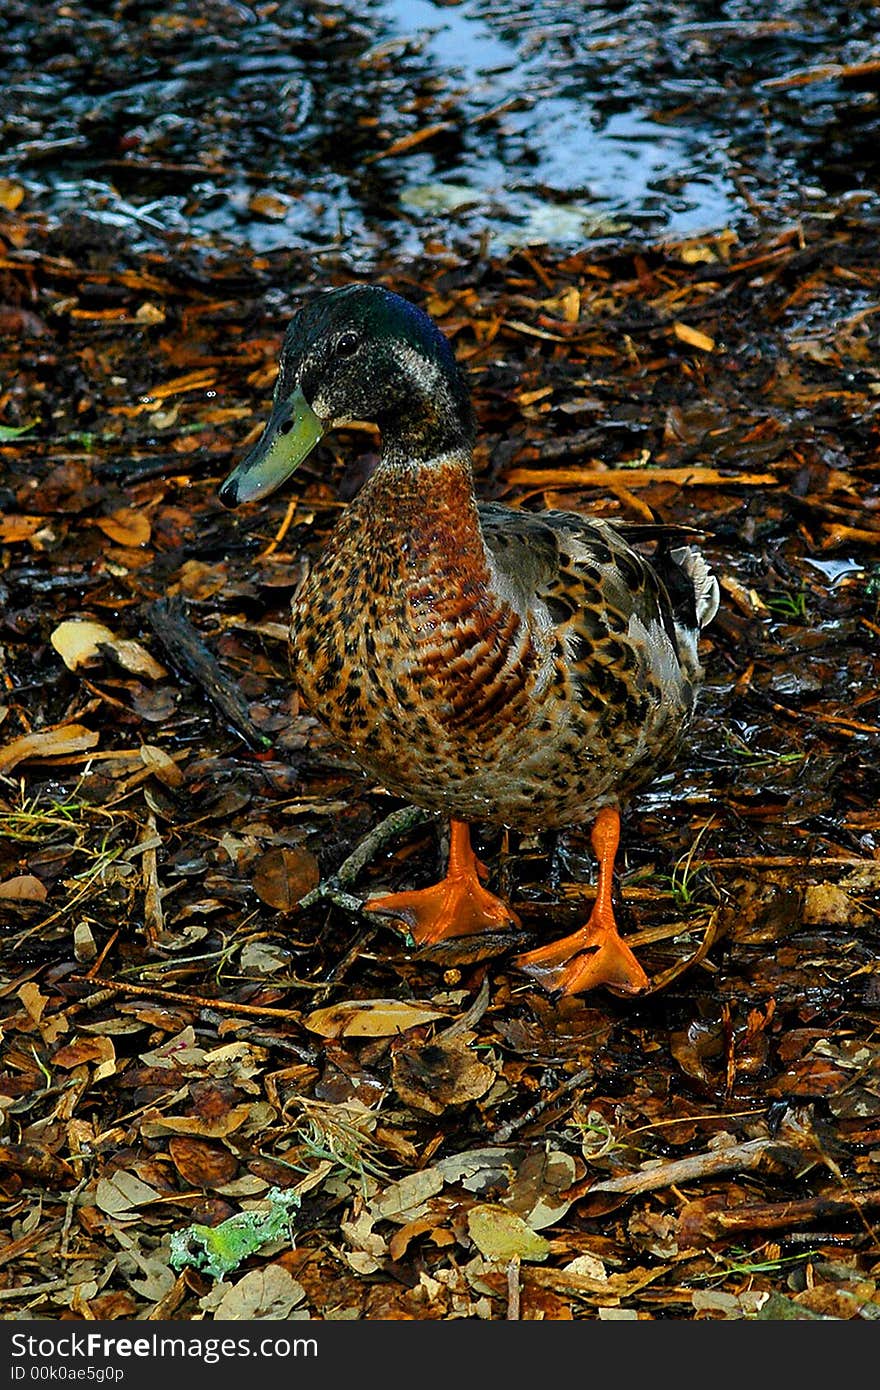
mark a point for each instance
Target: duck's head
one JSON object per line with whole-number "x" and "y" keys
{"x": 359, "y": 353}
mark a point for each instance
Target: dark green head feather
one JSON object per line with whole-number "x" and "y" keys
{"x": 359, "y": 353}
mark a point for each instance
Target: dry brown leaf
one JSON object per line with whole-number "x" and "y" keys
{"x": 123, "y": 1192}
{"x": 268, "y": 1294}
{"x": 215, "y": 1126}
{"x": 202, "y": 1164}
{"x": 269, "y": 205}
{"x": 406, "y": 1199}
{"x": 369, "y": 1018}
{"x": 33, "y": 999}
{"x": 11, "y": 194}
{"x": 161, "y": 764}
{"x": 198, "y": 580}
{"x": 538, "y": 1190}
{"x": 125, "y": 526}
{"x": 827, "y": 903}
{"x": 570, "y": 303}
{"x": 84, "y": 946}
{"x": 435, "y": 1075}
{"x": 23, "y": 888}
{"x": 284, "y": 876}
{"x": 95, "y": 1049}
{"x": 19, "y": 528}
{"x": 81, "y": 642}
{"x": 56, "y": 742}
{"x": 36, "y": 1162}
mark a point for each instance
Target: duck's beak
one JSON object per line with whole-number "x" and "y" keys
{"x": 292, "y": 431}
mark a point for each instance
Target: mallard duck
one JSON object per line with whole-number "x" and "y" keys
{"x": 530, "y": 670}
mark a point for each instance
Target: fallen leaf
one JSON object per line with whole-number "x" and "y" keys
{"x": 162, "y": 765}
{"x": 406, "y": 1199}
{"x": 198, "y": 580}
{"x": 11, "y": 194}
{"x": 125, "y": 526}
{"x": 264, "y": 1294}
{"x": 35, "y": 1161}
{"x": 369, "y": 1018}
{"x": 202, "y": 1164}
{"x": 175, "y": 1052}
{"x": 81, "y": 642}
{"x": 55, "y": 742}
{"x": 263, "y": 958}
{"x": 270, "y": 205}
{"x": 154, "y": 1124}
{"x": 828, "y": 905}
{"x": 122, "y": 1193}
{"x": 23, "y": 888}
{"x": 19, "y": 528}
{"x": 84, "y": 947}
{"x": 499, "y": 1234}
{"x": 432, "y": 1076}
{"x": 284, "y": 876}
{"x": 33, "y": 1000}
{"x": 537, "y": 1192}
{"x": 481, "y": 1169}
{"x": 154, "y": 1279}
{"x": 99, "y": 1049}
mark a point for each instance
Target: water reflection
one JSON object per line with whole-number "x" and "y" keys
{"x": 377, "y": 126}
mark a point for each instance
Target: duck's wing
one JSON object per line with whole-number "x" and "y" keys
{"x": 585, "y": 577}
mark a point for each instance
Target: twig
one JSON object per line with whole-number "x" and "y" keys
{"x": 739, "y": 1158}
{"x": 471, "y": 1016}
{"x": 282, "y": 529}
{"x": 196, "y": 1000}
{"x": 14, "y": 1248}
{"x": 504, "y": 1132}
{"x": 29, "y": 1290}
{"x": 186, "y": 650}
{"x": 399, "y": 821}
{"x": 341, "y": 968}
{"x": 513, "y": 1289}
{"x": 68, "y": 1216}
{"x": 776, "y": 1216}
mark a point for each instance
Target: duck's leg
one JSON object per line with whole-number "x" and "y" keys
{"x": 596, "y": 954}
{"x": 457, "y": 906}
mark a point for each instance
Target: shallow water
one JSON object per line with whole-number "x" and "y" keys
{"x": 552, "y": 122}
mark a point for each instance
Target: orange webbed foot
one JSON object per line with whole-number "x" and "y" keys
{"x": 588, "y": 958}
{"x": 457, "y": 906}
{"x": 597, "y": 954}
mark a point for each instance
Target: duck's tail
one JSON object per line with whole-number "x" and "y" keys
{"x": 694, "y": 596}
{"x": 705, "y": 594}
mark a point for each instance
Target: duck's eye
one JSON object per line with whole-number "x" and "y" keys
{"x": 347, "y": 345}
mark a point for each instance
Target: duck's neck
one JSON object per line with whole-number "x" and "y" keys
{"x": 430, "y": 503}
{"x": 429, "y": 418}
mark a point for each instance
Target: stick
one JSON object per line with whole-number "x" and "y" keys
{"x": 167, "y": 618}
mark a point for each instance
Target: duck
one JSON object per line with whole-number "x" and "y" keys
{"x": 531, "y": 670}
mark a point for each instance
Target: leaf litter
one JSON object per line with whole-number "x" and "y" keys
{"x": 196, "y": 1015}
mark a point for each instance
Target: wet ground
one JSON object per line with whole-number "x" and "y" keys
{"x": 382, "y": 125}
{"x": 187, "y": 1032}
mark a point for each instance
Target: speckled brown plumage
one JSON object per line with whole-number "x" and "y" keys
{"x": 529, "y": 670}
{"x": 473, "y": 697}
